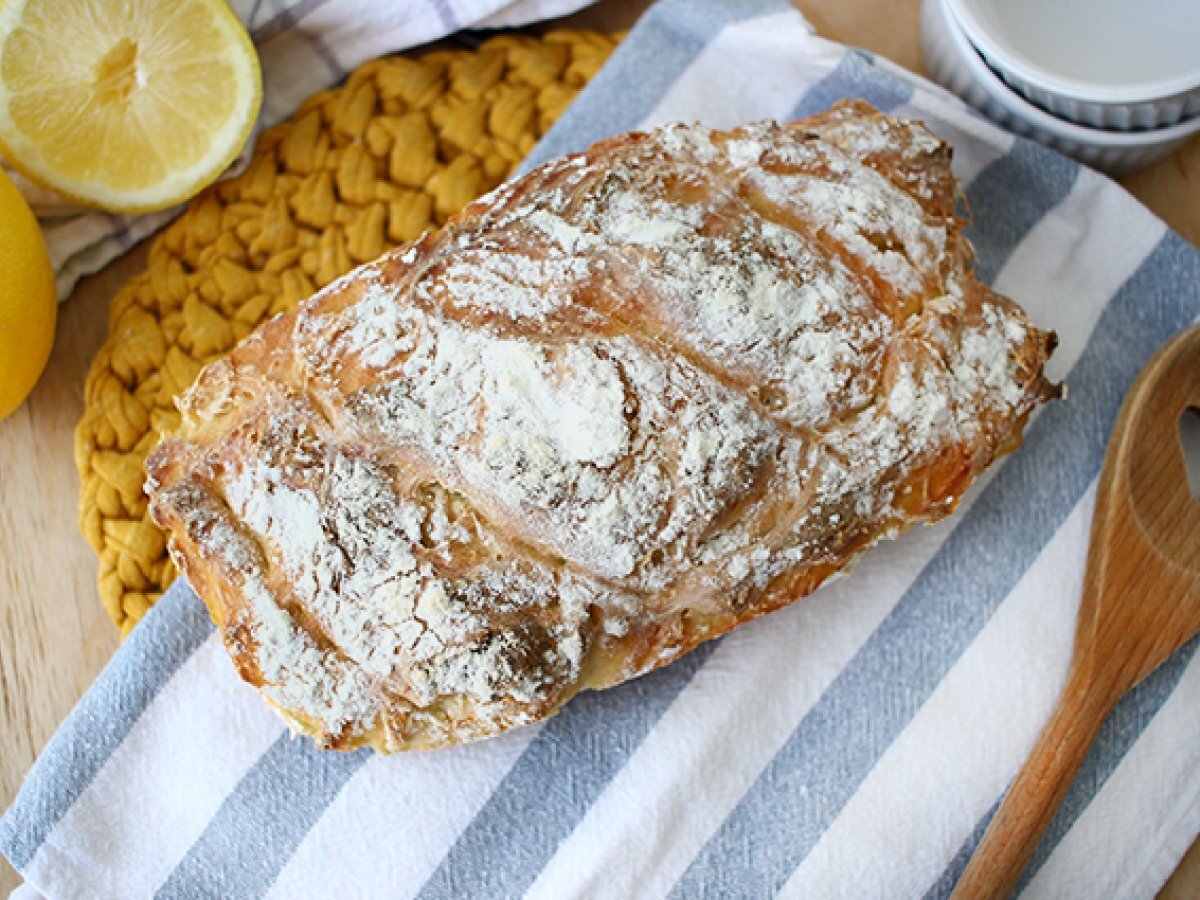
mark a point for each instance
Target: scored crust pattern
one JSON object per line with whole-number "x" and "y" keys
{"x": 612, "y": 410}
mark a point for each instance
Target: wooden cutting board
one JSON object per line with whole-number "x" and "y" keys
{"x": 54, "y": 635}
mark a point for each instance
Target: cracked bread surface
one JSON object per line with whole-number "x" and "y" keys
{"x": 613, "y": 409}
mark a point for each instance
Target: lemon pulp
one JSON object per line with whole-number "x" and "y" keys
{"x": 126, "y": 105}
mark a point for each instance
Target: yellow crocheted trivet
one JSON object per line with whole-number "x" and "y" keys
{"x": 403, "y": 145}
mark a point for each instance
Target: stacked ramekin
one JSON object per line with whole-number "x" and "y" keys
{"x": 1113, "y": 83}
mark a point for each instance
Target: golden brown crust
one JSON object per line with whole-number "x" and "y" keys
{"x": 612, "y": 410}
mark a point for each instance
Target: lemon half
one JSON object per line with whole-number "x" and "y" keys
{"x": 129, "y": 105}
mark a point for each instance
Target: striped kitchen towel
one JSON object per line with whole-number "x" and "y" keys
{"x": 854, "y": 744}
{"x": 304, "y": 46}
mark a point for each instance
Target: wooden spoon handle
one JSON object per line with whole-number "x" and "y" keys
{"x": 1039, "y": 788}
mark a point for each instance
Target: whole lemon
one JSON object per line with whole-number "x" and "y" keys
{"x": 28, "y": 302}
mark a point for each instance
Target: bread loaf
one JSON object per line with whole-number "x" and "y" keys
{"x": 615, "y": 408}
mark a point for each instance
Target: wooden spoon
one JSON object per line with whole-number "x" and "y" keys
{"x": 1141, "y": 603}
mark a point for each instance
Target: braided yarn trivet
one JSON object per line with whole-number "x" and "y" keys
{"x": 405, "y": 143}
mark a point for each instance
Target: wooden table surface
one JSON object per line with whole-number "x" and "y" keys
{"x": 54, "y": 635}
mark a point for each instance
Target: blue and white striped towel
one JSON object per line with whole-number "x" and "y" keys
{"x": 304, "y": 46}
{"x": 852, "y": 745}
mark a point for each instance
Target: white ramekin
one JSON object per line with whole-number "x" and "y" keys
{"x": 1140, "y": 103}
{"x": 953, "y": 61}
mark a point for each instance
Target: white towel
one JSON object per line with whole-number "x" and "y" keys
{"x": 854, "y": 744}
{"x": 304, "y": 46}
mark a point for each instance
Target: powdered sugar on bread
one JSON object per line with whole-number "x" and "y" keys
{"x": 612, "y": 410}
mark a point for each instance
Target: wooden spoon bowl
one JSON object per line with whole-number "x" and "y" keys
{"x": 1141, "y": 603}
